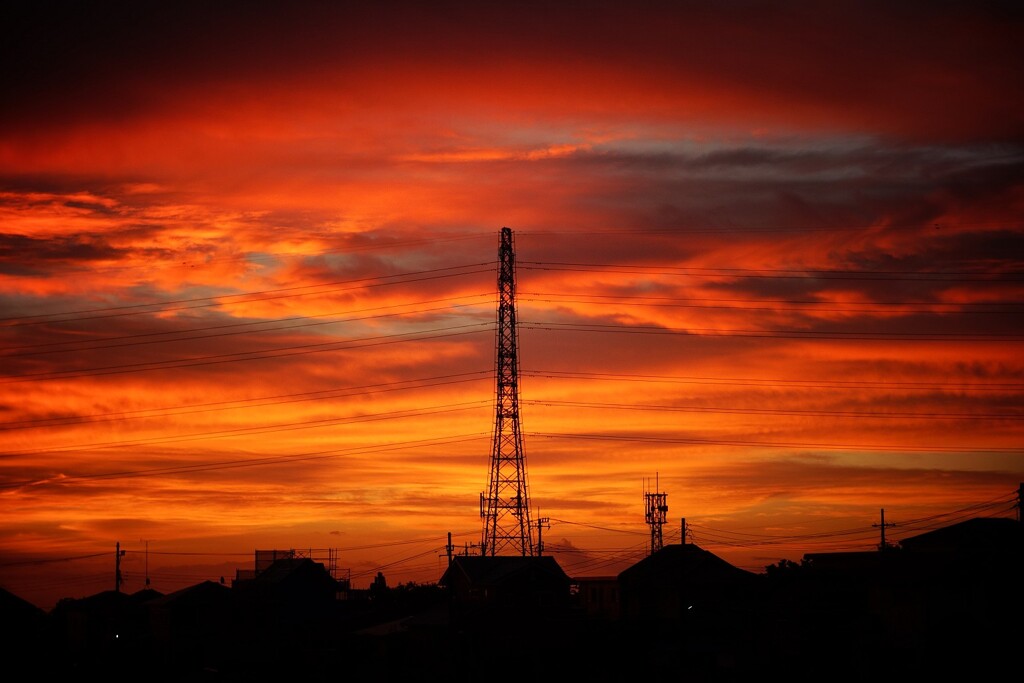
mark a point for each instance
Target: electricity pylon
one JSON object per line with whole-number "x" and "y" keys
{"x": 505, "y": 508}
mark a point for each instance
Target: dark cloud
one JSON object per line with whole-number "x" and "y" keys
{"x": 980, "y": 256}
{"x": 159, "y": 155}
{"x": 874, "y": 66}
{"x": 793, "y": 185}
{"x": 25, "y": 255}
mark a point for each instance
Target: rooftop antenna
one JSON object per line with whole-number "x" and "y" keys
{"x": 656, "y": 514}
{"x": 505, "y": 508}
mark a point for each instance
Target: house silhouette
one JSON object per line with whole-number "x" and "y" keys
{"x": 941, "y": 603}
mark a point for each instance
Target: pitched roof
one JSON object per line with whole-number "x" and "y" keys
{"x": 483, "y": 570}
{"x": 146, "y": 594}
{"x": 977, "y": 534}
{"x": 687, "y": 561}
{"x": 11, "y": 605}
{"x": 109, "y": 598}
{"x": 283, "y": 569}
{"x": 199, "y": 592}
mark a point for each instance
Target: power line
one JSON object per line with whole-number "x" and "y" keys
{"x": 865, "y": 534}
{"x": 592, "y": 526}
{"x": 98, "y": 344}
{"x": 72, "y": 558}
{"x": 634, "y": 233}
{"x": 780, "y": 273}
{"x": 552, "y": 326}
{"x": 589, "y": 559}
{"x": 771, "y": 444}
{"x": 255, "y": 402}
{"x": 774, "y": 411}
{"x": 210, "y": 301}
{"x": 279, "y": 352}
{"x": 776, "y": 381}
{"x": 792, "y": 305}
{"x": 267, "y": 429}
{"x": 247, "y": 462}
{"x": 249, "y": 257}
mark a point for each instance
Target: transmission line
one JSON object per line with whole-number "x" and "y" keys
{"x": 554, "y": 326}
{"x": 211, "y": 301}
{"x": 776, "y": 381}
{"x": 247, "y": 462}
{"x": 790, "y": 305}
{"x": 780, "y": 273}
{"x": 255, "y": 402}
{"x": 774, "y": 411}
{"x": 99, "y": 344}
{"x": 278, "y": 352}
{"x": 770, "y": 444}
{"x": 271, "y": 429}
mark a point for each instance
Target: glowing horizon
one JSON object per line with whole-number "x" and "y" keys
{"x": 248, "y": 281}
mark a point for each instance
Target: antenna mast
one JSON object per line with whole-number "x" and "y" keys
{"x": 505, "y": 508}
{"x": 656, "y": 514}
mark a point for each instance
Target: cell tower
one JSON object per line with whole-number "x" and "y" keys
{"x": 505, "y": 507}
{"x": 656, "y": 514}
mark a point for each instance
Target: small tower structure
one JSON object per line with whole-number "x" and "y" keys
{"x": 656, "y": 513}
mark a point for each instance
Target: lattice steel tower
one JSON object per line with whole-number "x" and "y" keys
{"x": 655, "y": 514}
{"x": 505, "y": 507}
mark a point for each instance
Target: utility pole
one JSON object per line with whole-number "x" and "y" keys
{"x": 1020, "y": 497}
{"x": 542, "y": 523}
{"x": 882, "y": 545}
{"x": 449, "y": 548}
{"x": 147, "y": 563}
{"x": 655, "y": 514}
{"x": 505, "y": 508}
{"x": 683, "y": 531}
{"x": 118, "y": 554}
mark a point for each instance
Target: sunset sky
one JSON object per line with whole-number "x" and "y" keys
{"x": 770, "y": 262}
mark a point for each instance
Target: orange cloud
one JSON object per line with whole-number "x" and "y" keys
{"x": 249, "y": 280}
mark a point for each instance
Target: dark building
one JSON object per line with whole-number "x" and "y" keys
{"x": 680, "y": 581}
{"x": 21, "y": 630}
{"x": 684, "y": 604}
{"x": 500, "y": 605}
{"x": 297, "y": 581}
{"x": 191, "y": 629}
{"x": 515, "y": 583}
{"x": 942, "y": 602}
{"x": 597, "y": 597}
{"x": 92, "y": 631}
